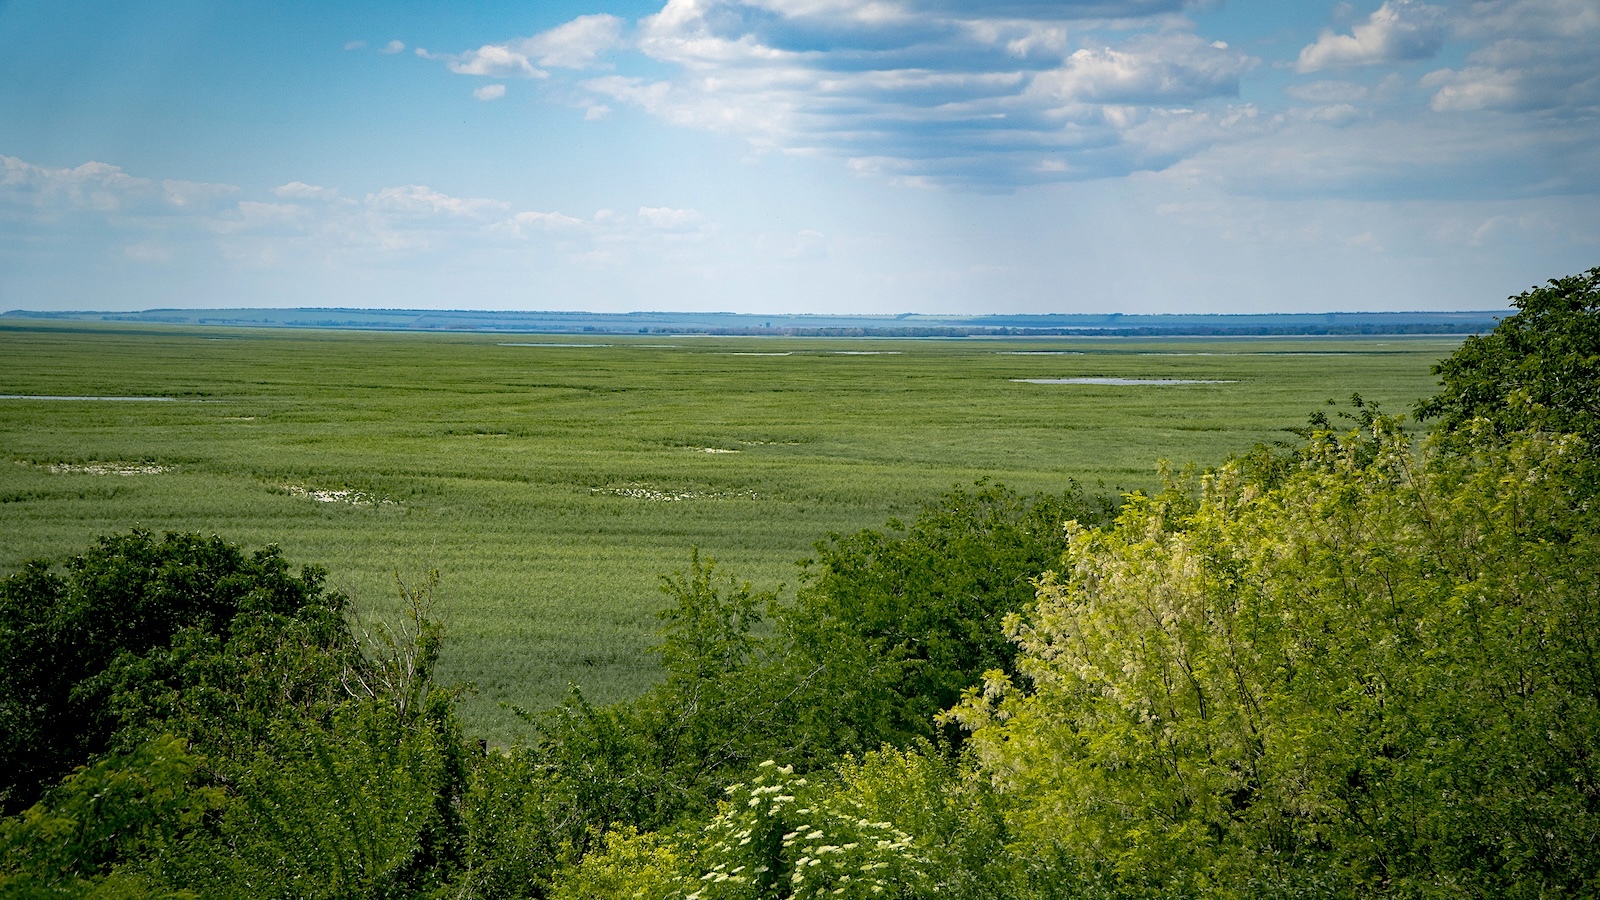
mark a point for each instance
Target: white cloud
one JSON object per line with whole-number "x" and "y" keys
{"x": 664, "y": 218}
{"x": 355, "y": 45}
{"x": 489, "y": 92}
{"x": 1151, "y": 70}
{"x": 1540, "y": 56}
{"x": 92, "y": 185}
{"x": 1397, "y": 31}
{"x": 1385, "y": 159}
{"x": 526, "y": 224}
{"x": 393, "y": 47}
{"x": 922, "y": 91}
{"x": 495, "y": 61}
{"x": 147, "y": 221}
{"x": 415, "y": 200}
{"x": 576, "y": 44}
{"x": 299, "y": 190}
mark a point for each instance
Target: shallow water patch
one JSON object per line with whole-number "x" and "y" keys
{"x": 97, "y": 399}
{"x": 1125, "y": 381}
{"x": 548, "y": 344}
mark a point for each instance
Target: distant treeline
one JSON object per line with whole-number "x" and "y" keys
{"x": 901, "y": 326}
{"x": 1141, "y": 331}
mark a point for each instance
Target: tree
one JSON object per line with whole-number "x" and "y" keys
{"x": 1375, "y": 675}
{"x": 1539, "y": 369}
{"x": 892, "y": 625}
{"x": 104, "y": 646}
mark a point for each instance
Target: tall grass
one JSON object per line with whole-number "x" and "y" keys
{"x": 552, "y": 485}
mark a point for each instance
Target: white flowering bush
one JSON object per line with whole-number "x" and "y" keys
{"x": 778, "y": 836}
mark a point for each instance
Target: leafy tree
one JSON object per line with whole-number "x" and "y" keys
{"x": 254, "y": 748}
{"x": 1372, "y": 676}
{"x": 893, "y": 625}
{"x": 106, "y": 819}
{"x": 99, "y": 647}
{"x": 1539, "y": 369}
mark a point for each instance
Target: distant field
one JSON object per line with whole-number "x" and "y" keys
{"x": 552, "y": 479}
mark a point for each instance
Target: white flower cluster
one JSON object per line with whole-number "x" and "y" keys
{"x": 108, "y": 469}
{"x": 652, "y": 494}
{"x": 345, "y": 495}
{"x": 782, "y": 829}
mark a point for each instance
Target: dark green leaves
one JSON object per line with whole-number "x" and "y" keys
{"x": 1540, "y": 369}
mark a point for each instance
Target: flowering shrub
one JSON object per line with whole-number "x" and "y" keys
{"x": 780, "y": 836}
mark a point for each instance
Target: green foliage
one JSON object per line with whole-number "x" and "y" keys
{"x": 955, "y": 818}
{"x": 706, "y": 632}
{"x": 892, "y": 626}
{"x": 1539, "y": 369}
{"x": 349, "y": 809}
{"x": 305, "y": 765}
{"x": 778, "y": 836}
{"x": 103, "y": 825}
{"x": 109, "y": 644}
{"x": 888, "y": 824}
{"x": 516, "y": 830}
{"x": 1375, "y": 677}
{"x": 627, "y": 865}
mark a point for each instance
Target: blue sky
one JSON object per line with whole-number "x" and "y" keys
{"x": 938, "y": 156}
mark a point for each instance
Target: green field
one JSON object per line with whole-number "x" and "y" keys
{"x": 551, "y": 484}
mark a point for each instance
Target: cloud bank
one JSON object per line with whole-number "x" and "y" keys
{"x": 999, "y": 95}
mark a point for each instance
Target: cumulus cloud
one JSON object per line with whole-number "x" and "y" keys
{"x": 93, "y": 185}
{"x": 489, "y": 92}
{"x": 1150, "y": 70}
{"x": 416, "y": 200}
{"x": 393, "y": 47}
{"x": 919, "y": 91}
{"x": 103, "y": 188}
{"x": 574, "y": 45}
{"x": 1539, "y": 55}
{"x": 495, "y": 61}
{"x": 149, "y": 220}
{"x": 1398, "y": 31}
{"x": 300, "y": 191}
{"x": 665, "y": 218}
{"x": 998, "y": 94}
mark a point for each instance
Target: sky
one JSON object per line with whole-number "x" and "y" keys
{"x": 794, "y": 156}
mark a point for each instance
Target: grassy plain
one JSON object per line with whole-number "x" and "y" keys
{"x": 551, "y": 479}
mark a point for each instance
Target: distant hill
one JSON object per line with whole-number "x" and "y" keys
{"x": 906, "y": 325}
